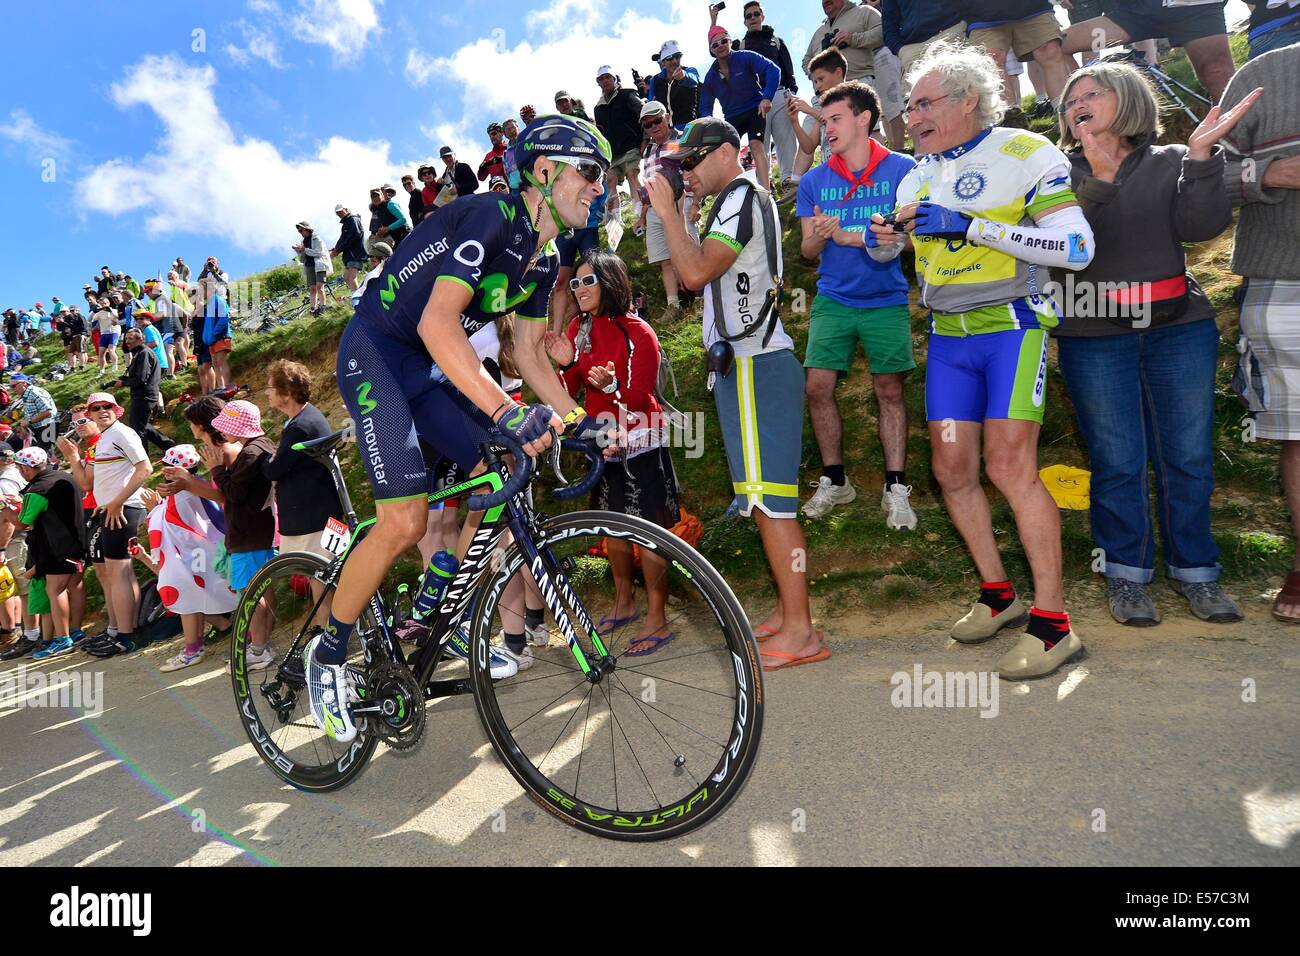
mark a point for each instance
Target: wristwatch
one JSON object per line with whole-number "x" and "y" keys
{"x": 611, "y": 388}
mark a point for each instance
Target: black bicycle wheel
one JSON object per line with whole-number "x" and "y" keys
{"x": 665, "y": 739}
{"x": 272, "y": 701}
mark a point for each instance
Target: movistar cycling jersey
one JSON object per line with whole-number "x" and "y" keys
{"x": 1003, "y": 175}
{"x": 483, "y": 242}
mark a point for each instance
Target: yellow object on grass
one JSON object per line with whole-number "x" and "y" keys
{"x": 1068, "y": 486}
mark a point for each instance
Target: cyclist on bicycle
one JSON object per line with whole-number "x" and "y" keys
{"x": 406, "y": 369}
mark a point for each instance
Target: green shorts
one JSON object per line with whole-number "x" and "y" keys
{"x": 834, "y": 331}
{"x": 38, "y": 599}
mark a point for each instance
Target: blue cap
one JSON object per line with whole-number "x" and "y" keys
{"x": 21, "y": 378}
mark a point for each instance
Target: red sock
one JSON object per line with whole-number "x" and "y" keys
{"x": 1049, "y": 626}
{"x": 997, "y": 595}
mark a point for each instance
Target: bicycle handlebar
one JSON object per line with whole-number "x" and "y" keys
{"x": 595, "y": 469}
{"x": 525, "y": 467}
{"x": 516, "y": 483}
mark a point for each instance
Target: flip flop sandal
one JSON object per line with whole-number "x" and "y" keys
{"x": 762, "y": 633}
{"x": 608, "y": 625}
{"x": 791, "y": 661}
{"x": 654, "y": 640}
{"x": 1290, "y": 594}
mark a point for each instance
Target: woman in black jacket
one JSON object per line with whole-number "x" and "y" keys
{"x": 305, "y": 496}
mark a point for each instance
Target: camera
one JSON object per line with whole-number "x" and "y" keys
{"x": 669, "y": 168}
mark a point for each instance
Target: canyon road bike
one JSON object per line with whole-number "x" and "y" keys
{"x": 615, "y": 741}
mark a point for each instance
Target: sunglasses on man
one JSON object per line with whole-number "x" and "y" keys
{"x": 588, "y": 169}
{"x": 652, "y": 123}
{"x": 694, "y": 159}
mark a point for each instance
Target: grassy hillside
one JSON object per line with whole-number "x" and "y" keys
{"x": 854, "y": 559}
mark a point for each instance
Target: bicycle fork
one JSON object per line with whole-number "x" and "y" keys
{"x": 557, "y": 592}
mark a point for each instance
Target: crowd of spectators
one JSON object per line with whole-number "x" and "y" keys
{"x": 880, "y": 72}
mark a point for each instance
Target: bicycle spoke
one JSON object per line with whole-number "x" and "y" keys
{"x": 670, "y": 717}
{"x": 669, "y": 680}
{"x": 590, "y": 687}
{"x": 544, "y": 706}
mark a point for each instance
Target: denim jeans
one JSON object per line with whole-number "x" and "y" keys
{"x": 1147, "y": 400}
{"x": 1276, "y": 39}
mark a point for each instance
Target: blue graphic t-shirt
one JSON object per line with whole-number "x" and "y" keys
{"x": 848, "y": 275}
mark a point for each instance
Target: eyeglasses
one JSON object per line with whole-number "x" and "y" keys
{"x": 588, "y": 169}
{"x": 756, "y": 15}
{"x": 694, "y": 159}
{"x": 923, "y": 106}
{"x": 81, "y": 421}
{"x": 651, "y": 124}
{"x": 99, "y": 408}
{"x": 1088, "y": 97}
{"x": 719, "y": 43}
{"x": 587, "y": 280}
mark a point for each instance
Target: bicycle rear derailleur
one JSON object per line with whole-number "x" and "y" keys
{"x": 394, "y": 707}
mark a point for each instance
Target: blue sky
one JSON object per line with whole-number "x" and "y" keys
{"x": 209, "y": 129}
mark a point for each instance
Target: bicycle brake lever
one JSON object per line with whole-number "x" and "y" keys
{"x": 555, "y": 459}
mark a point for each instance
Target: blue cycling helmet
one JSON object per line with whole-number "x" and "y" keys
{"x": 559, "y": 137}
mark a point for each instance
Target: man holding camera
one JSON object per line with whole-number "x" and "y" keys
{"x": 853, "y": 27}
{"x": 756, "y": 379}
{"x": 660, "y": 160}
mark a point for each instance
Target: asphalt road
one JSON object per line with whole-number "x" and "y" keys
{"x": 1144, "y": 753}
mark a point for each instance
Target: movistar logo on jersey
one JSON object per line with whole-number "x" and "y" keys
{"x": 496, "y": 297}
{"x": 425, "y": 255}
{"x": 386, "y": 296}
{"x": 364, "y": 400}
{"x": 508, "y": 211}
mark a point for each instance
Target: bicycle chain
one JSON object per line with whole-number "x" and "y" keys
{"x": 383, "y": 680}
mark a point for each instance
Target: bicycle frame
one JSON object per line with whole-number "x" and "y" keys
{"x": 464, "y": 587}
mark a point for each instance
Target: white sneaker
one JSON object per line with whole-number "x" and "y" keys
{"x": 523, "y": 660}
{"x": 502, "y": 663}
{"x": 827, "y": 496}
{"x": 898, "y": 508}
{"x": 323, "y": 681}
{"x": 538, "y": 636}
{"x": 257, "y": 659}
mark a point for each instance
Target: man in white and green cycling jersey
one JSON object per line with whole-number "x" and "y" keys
{"x": 989, "y": 210}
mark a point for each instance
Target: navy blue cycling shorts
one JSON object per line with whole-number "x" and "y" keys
{"x": 395, "y": 396}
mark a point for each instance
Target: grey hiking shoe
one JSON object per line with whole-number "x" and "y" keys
{"x": 1208, "y": 602}
{"x": 1131, "y": 603}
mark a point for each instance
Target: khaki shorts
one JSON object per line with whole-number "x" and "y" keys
{"x": 624, "y": 164}
{"x": 305, "y": 542}
{"x": 16, "y": 559}
{"x": 909, "y": 53}
{"x": 889, "y": 83}
{"x": 1020, "y": 36}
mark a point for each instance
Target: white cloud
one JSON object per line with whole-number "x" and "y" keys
{"x": 207, "y": 180}
{"x": 563, "y": 16}
{"x": 25, "y": 132}
{"x": 420, "y": 68}
{"x": 560, "y": 47}
{"x": 260, "y": 46}
{"x": 345, "y": 26}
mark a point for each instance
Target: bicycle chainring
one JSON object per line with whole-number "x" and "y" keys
{"x": 395, "y": 688}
